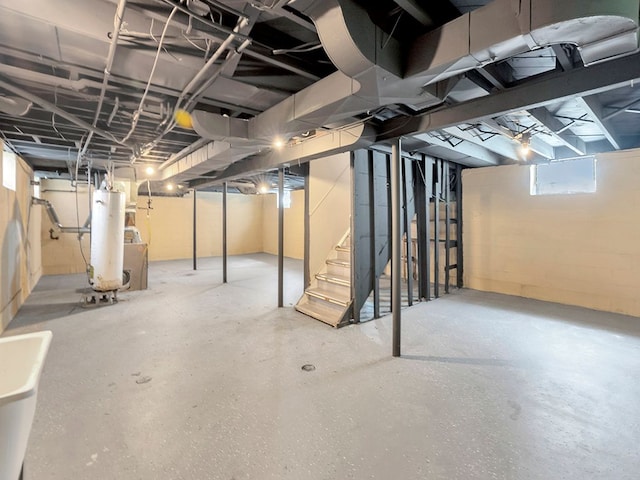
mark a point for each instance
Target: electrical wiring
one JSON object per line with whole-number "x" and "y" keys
{"x": 305, "y": 47}
{"x": 136, "y": 114}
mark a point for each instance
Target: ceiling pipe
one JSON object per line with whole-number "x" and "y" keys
{"x": 214, "y": 25}
{"x": 54, "y": 81}
{"x": 193, "y": 83}
{"x": 249, "y": 52}
{"x": 214, "y": 58}
{"x": 117, "y": 24}
{"x": 58, "y": 111}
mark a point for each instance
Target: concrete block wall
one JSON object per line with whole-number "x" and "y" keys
{"x": 581, "y": 249}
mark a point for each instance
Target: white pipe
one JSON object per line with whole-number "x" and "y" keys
{"x": 117, "y": 23}
{"x": 220, "y": 50}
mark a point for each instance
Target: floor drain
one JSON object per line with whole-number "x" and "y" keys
{"x": 308, "y": 367}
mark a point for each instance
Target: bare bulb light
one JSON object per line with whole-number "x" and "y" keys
{"x": 149, "y": 170}
{"x": 278, "y": 143}
{"x": 170, "y": 186}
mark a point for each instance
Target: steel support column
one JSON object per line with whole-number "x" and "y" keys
{"x": 424, "y": 175}
{"x": 224, "y": 232}
{"x": 374, "y": 234}
{"x": 195, "y": 236}
{"x": 407, "y": 213}
{"x": 447, "y": 223}
{"x": 280, "y": 237}
{"x": 307, "y": 227}
{"x": 459, "y": 251}
{"x": 436, "y": 228}
{"x": 396, "y": 244}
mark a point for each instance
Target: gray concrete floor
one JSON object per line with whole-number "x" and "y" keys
{"x": 193, "y": 379}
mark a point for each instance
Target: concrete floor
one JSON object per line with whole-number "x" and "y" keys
{"x": 192, "y": 379}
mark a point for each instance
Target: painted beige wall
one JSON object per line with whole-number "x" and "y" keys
{"x": 579, "y": 249}
{"x": 169, "y": 228}
{"x": 293, "y": 225}
{"x": 63, "y": 255}
{"x": 329, "y": 206}
{"x": 20, "y": 267}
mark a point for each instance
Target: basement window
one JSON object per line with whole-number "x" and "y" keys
{"x": 9, "y": 170}
{"x": 564, "y": 177}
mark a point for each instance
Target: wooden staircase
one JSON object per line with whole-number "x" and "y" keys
{"x": 328, "y": 299}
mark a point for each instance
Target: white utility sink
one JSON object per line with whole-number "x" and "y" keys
{"x": 21, "y": 361}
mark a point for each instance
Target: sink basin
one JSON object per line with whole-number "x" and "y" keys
{"x": 21, "y": 360}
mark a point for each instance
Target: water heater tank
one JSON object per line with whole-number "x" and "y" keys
{"x": 107, "y": 240}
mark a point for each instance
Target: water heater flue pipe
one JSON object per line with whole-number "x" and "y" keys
{"x": 53, "y": 216}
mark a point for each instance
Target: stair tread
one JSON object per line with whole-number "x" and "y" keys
{"x": 342, "y": 248}
{"x": 327, "y": 315}
{"x": 337, "y": 261}
{"x": 329, "y": 296}
{"x": 333, "y": 278}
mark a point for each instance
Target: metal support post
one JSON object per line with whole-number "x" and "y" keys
{"x": 307, "y": 227}
{"x": 459, "y": 251}
{"x": 396, "y": 244}
{"x": 373, "y": 198}
{"x": 195, "y": 236}
{"x": 224, "y": 232}
{"x": 436, "y": 229}
{"x": 447, "y": 225}
{"x": 408, "y": 220}
{"x": 280, "y": 237}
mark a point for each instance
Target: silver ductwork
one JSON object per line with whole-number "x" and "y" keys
{"x": 55, "y": 220}
{"x": 377, "y": 70}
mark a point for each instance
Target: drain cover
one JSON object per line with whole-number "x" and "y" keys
{"x": 308, "y": 367}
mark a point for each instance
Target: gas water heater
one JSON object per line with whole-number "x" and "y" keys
{"x": 107, "y": 240}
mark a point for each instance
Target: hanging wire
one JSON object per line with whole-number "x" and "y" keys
{"x": 136, "y": 114}
{"x": 392, "y": 31}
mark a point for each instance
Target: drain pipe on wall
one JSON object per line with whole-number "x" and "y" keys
{"x": 396, "y": 240}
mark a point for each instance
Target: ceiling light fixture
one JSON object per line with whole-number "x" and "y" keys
{"x": 170, "y": 186}
{"x": 278, "y": 143}
{"x": 149, "y": 170}
{"x": 525, "y": 144}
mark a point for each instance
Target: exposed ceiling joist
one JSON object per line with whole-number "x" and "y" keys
{"x": 598, "y": 78}
{"x": 483, "y": 154}
{"x": 557, "y": 129}
{"x": 562, "y": 57}
{"x": 594, "y": 108}
{"x": 536, "y": 145}
{"x": 495, "y": 144}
